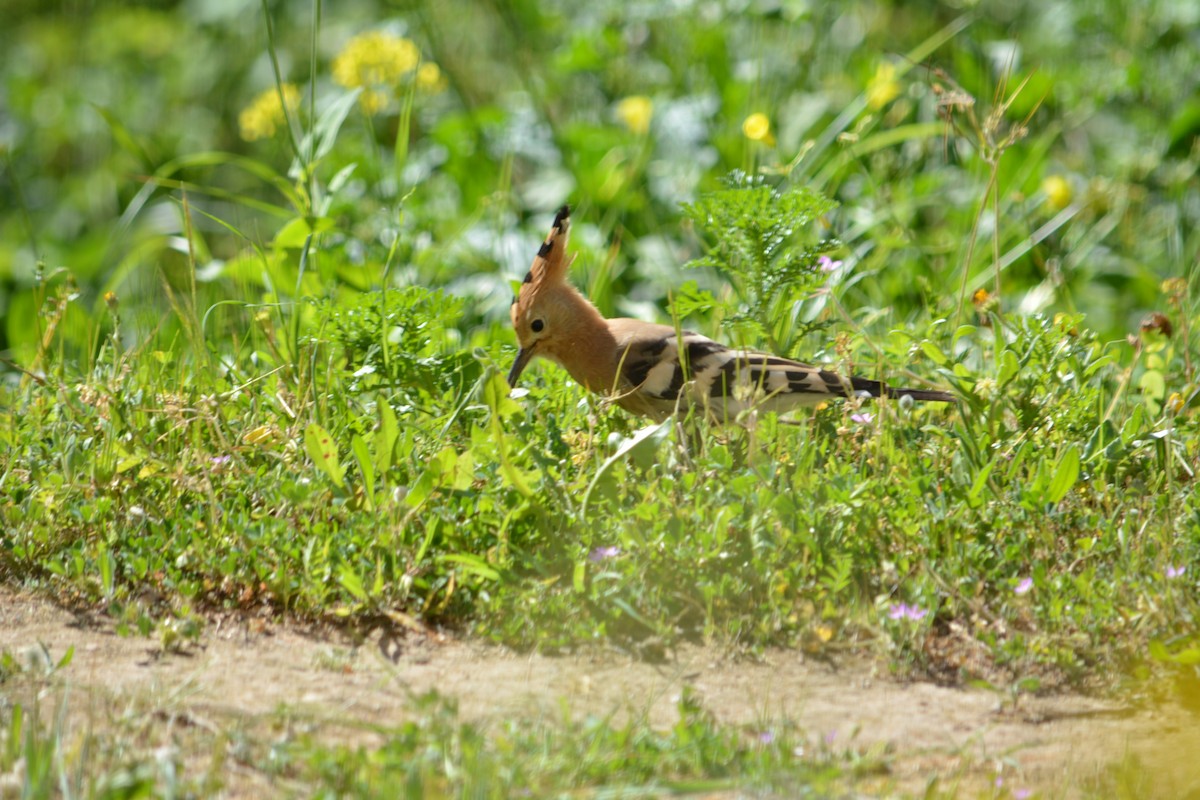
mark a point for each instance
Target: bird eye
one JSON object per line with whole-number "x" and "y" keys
{"x": 537, "y": 325}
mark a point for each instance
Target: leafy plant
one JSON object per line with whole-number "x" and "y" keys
{"x": 759, "y": 246}
{"x": 399, "y": 337}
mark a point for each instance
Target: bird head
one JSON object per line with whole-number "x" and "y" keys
{"x": 542, "y": 310}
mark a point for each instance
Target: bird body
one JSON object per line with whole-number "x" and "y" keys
{"x": 654, "y": 370}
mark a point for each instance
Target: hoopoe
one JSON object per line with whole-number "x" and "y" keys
{"x": 639, "y": 365}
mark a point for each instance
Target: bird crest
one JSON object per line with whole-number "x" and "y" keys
{"x": 549, "y": 267}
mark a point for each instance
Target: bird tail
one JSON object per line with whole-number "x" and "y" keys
{"x": 922, "y": 395}
{"x": 880, "y": 389}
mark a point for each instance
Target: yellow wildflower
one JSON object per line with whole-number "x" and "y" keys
{"x": 258, "y": 435}
{"x": 757, "y": 128}
{"x": 429, "y": 77}
{"x": 635, "y": 112}
{"x": 373, "y": 101}
{"x": 375, "y": 62}
{"x": 1057, "y": 191}
{"x": 883, "y": 88}
{"x": 264, "y": 115}
{"x": 374, "y": 58}
{"x": 985, "y": 301}
{"x": 1174, "y": 288}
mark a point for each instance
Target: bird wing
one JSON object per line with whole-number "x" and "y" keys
{"x": 660, "y": 371}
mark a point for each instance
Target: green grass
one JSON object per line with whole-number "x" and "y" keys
{"x": 248, "y": 375}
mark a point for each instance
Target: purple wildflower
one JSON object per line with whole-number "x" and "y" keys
{"x": 766, "y": 737}
{"x": 827, "y": 264}
{"x": 1024, "y": 586}
{"x": 862, "y": 418}
{"x": 1174, "y": 572}
{"x": 599, "y": 554}
{"x": 905, "y": 611}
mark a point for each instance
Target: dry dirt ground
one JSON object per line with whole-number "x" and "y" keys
{"x": 234, "y": 675}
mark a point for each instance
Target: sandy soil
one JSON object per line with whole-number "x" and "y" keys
{"x": 237, "y": 672}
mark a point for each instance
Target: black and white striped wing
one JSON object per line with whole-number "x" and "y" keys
{"x": 656, "y": 372}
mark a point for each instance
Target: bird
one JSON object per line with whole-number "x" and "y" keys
{"x": 655, "y": 370}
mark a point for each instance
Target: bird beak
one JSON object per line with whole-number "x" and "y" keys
{"x": 523, "y": 356}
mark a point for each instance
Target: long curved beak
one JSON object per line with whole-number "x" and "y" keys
{"x": 523, "y": 356}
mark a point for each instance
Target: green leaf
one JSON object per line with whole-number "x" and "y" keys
{"x": 1134, "y": 426}
{"x": 495, "y": 394}
{"x": 690, "y": 299}
{"x": 1009, "y": 367}
{"x": 1098, "y": 364}
{"x": 652, "y": 433}
{"x": 431, "y": 529}
{"x": 65, "y": 661}
{"x": 1066, "y": 472}
{"x": 1153, "y": 385}
{"x": 330, "y": 122}
{"x": 127, "y": 460}
{"x": 980, "y": 483}
{"x": 317, "y": 144}
{"x": 472, "y": 564}
{"x": 323, "y": 452}
{"x": 350, "y": 581}
{"x": 419, "y": 491}
{"x": 462, "y": 473}
{"x": 934, "y": 353}
{"x": 296, "y": 232}
{"x": 363, "y": 456}
{"x": 386, "y": 436}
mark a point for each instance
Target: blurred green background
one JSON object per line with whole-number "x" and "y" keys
{"x": 133, "y": 149}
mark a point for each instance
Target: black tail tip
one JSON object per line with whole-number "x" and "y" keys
{"x": 562, "y": 216}
{"x": 923, "y": 395}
